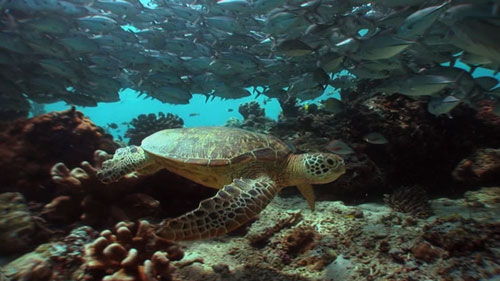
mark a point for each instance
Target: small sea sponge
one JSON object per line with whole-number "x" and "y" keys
{"x": 296, "y": 241}
{"x": 424, "y": 251}
{"x": 409, "y": 199}
{"x": 145, "y": 125}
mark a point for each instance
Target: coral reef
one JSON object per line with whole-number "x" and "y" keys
{"x": 459, "y": 236}
{"x": 485, "y": 112}
{"x": 85, "y": 196}
{"x": 52, "y": 261}
{"x": 30, "y": 147}
{"x": 484, "y": 197}
{"x": 81, "y": 196}
{"x": 16, "y": 225}
{"x": 254, "y": 118}
{"x": 480, "y": 168}
{"x": 421, "y": 148}
{"x": 145, "y": 125}
{"x": 410, "y": 199}
{"x": 130, "y": 252}
{"x": 289, "y": 107}
{"x": 251, "y": 108}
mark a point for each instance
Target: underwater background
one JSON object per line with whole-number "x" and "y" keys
{"x": 382, "y": 116}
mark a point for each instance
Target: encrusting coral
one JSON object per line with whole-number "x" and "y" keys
{"x": 145, "y": 125}
{"x": 482, "y": 167}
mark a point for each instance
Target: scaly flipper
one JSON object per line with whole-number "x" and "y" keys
{"x": 232, "y": 206}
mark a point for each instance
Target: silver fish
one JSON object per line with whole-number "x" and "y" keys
{"x": 375, "y": 138}
{"x": 439, "y": 105}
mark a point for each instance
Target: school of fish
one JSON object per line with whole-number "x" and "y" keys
{"x": 85, "y": 51}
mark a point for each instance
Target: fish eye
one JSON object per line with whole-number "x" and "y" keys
{"x": 329, "y": 161}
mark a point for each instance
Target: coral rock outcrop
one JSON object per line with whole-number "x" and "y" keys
{"x": 29, "y": 148}
{"x": 16, "y": 224}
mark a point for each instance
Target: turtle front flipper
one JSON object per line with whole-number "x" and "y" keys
{"x": 232, "y": 206}
{"x": 124, "y": 161}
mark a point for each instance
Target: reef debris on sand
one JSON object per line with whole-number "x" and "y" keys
{"x": 360, "y": 242}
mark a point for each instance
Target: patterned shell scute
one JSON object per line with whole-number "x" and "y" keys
{"x": 215, "y": 146}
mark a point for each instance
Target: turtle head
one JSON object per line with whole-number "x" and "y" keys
{"x": 317, "y": 168}
{"x": 125, "y": 160}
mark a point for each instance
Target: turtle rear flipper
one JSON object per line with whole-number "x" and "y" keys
{"x": 232, "y": 206}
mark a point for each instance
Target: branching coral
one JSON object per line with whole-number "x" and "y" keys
{"x": 131, "y": 252}
{"x": 254, "y": 118}
{"x": 409, "y": 199}
{"x": 86, "y": 196}
{"x": 145, "y": 125}
{"x": 251, "y": 108}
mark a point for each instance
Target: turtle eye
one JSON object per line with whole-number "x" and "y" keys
{"x": 329, "y": 161}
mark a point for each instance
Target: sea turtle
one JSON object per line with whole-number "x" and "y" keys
{"x": 248, "y": 168}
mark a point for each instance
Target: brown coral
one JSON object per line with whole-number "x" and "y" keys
{"x": 424, "y": 251}
{"x": 482, "y": 167}
{"x": 486, "y": 112}
{"x": 83, "y": 190}
{"x": 29, "y": 148}
{"x": 296, "y": 241}
{"x": 261, "y": 238}
{"x": 130, "y": 252}
{"x": 459, "y": 236}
